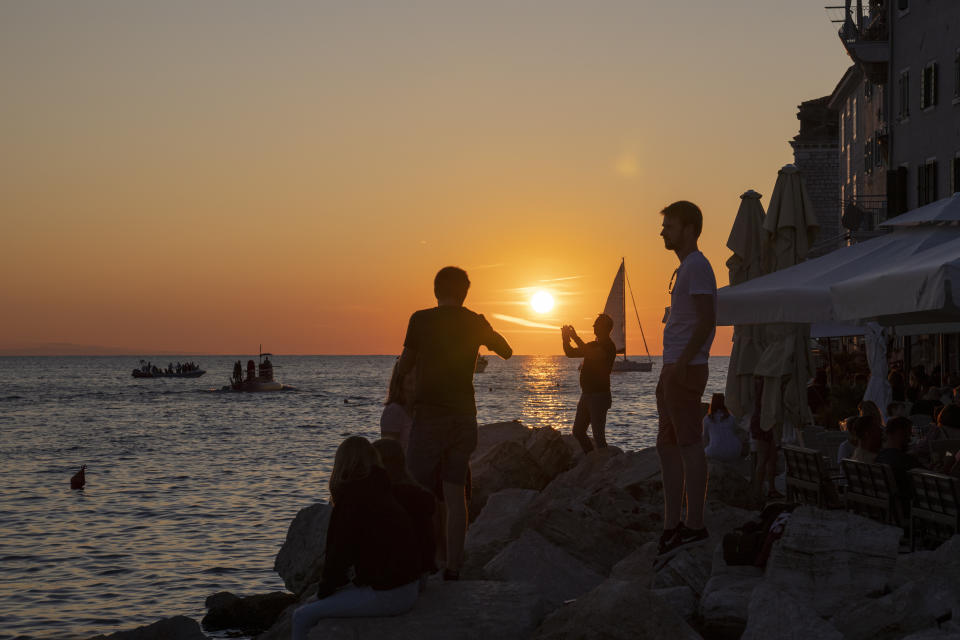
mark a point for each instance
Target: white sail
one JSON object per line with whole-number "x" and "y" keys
{"x": 616, "y": 310}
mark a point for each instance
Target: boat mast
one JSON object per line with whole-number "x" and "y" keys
{"x": 623, "y": 296}
{"x": 633, "y": 300}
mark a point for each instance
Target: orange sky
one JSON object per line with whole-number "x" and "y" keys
{"x": 206, "y": 177}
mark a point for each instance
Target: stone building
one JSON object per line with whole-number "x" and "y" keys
{"x": 816, "y": 154}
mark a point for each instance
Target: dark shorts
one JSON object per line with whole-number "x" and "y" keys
{"x": 441, "y": 446}
{"x": 681, "y": 421}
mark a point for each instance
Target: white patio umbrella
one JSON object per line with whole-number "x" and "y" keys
{"x": 878, "y": 388}
{"x": 785, "y": 364}
{"x": 748, "y": 242}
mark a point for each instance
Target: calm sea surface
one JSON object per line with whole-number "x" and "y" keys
{"x": 190, "y": 489}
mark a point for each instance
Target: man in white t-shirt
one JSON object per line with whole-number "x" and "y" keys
{"x": 687, "y": 336}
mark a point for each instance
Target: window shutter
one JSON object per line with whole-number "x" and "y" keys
{"x": 932, "y": 188}
{"x": 933, "y": 83}
{"x": 923, "y": 88}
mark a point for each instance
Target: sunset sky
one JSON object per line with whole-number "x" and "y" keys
{"x": 203, "y": 177}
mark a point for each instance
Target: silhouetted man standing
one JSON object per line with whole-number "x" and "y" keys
{"x": 687, "y": 336}
{"x": 442, "y": 342}
{"x": 598, "y": 356}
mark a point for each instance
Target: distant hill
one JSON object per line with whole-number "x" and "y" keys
{"x": 70, "y": 349}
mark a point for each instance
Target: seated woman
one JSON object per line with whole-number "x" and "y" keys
{"x": 720, "y": 441}
{"x": 419, "y": 503}
{"x": 848, "y": 446}
{"x": 370, "y": 533}
{"x": 397, "y": 416}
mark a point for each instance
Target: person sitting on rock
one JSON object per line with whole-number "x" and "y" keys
{"x": 397, "y": 417}
{"x": 419, "y": 503}
{"x": 720, "y": 440}
{"x": 371, "y": 537}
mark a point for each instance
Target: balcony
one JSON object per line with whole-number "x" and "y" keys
{"x": 862, "y": 216}
{"x": 865, "y": 34}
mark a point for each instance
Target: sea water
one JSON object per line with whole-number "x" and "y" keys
{"x": 190, "y": 489}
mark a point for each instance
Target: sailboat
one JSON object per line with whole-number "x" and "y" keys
{"x": 616, "y": 309}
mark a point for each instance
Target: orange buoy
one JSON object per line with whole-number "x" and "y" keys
{"x": 79, "y": 479}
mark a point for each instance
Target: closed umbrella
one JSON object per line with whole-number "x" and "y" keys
{"x": 748, "y": 242}
{"x": 785, "y": 364}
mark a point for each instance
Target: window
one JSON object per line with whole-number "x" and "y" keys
{"x": 955, "y": 174}
{"x": 877, "y": 151}
{"x": 903, "y": 88}
{"x": 868, "y": 156}
{"x": 867, "y": 89}
{"x": 926, "y": 183}
{"x": 928, "y": 86}
{"x": 853, "y": 118}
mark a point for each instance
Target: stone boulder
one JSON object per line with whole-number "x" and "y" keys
{"x": 464, "y": 610}
{"x": 250, "y": 614}
{"x": 728, "y": 484}
{"x": 300, "y": 560}
{"x": 775, "y": 613}
{"x": 556, "y": 574}
{"x": 638, "y": 566}
{"x": 581, "y": 532}
{"x": 507, "y": 465}
{"x": 919, "y": 565}
{"x": 913, "y": 607}
{"x": 682, "y": 600}
{"x": 615, "y": 610}
{"x": 547, "y": 447}
{"x": 636, "y": 472}
{"x": 835, "y": 556}
{"x": 175, "y": 628}
{"x": 725, "y": 604}
{"x": 498, "y": 525}
{"x": 490, "y": 435}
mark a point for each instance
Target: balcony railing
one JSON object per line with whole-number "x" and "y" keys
{"x": 865, "y": 33}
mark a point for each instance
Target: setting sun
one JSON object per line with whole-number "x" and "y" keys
{"x": 542, "y": 302}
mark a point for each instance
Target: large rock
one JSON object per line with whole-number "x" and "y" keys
{"x": 615, "y": 610}
{"x": 688, "y": 568}
{"x": 836, "y": 557}
{"x": 464, "y": 610}
{"x": 729, "y": 485}
{"x": 507, "y": 465}
{"x": 490, "y": 435}
{"x": 557, "y": 575}
{"x": 919, "y": 565}
{"x": 581, "y": 532}
{"x": 913, "y": 607}
{"x": 725, "y": 604}
{"x": 638, "y": 566}
{"x": 547, "y": 447}
{"x": 300, "y": 560}
{"x": 175, "y": 628}
{"x": 498, "y": 525}
{"x": 251, "y": 614}
{"x": 775, "y": 613}
{"x": 635, "y": 472}
{"x": 682, "y": 600}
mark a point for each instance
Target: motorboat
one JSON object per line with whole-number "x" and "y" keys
{"x": 148, "y": 370}
{"x": 258, "y": 376}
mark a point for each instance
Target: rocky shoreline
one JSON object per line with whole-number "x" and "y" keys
{"x": 561, "y": 545}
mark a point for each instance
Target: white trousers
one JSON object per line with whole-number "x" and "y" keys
{"x": 355, "y": 602}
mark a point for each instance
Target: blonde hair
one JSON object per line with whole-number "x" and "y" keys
{"x": 355, "y": 459}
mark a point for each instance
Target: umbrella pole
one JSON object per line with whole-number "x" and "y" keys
{"x": 830, "y": 361}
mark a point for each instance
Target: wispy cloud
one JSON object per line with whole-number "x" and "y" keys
{"x": 486, "y": 266}
{"x": 525, "y": 323}
{"x": 561, "y": 279}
